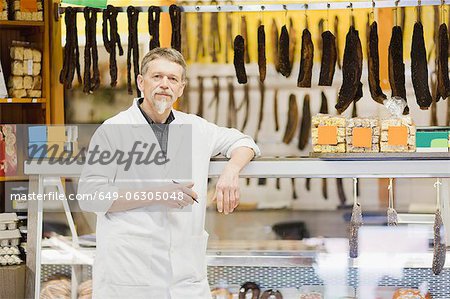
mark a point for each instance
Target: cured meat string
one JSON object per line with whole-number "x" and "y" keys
{"x": 175, "y": 19}
{"x": 374, "y": 65}
{"x": 239, "y": 56}
{"x": 351, "y": 89}
{"x": 110, "y": 39}
{"x": 261, "y": 53}
{"x": 396, "y": 66}
{"x": 419, "y": 68}
{"x": 306, "y": 60}
{"x": 133, "y": 48}
{"x": 90, "y": 51}
{"x": 71, "y": 52}
{"x": 153, "y": 26}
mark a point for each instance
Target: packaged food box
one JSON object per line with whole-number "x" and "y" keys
{"x": 328, "y": 133}
{"x": 363, "y": 135}
{"x": 8, "y": 133}
{"x": 432, "y": 139}
{"x": 9, "y": 237}
{"x": 8, "y": 221}
{"x": 398, "y": 135}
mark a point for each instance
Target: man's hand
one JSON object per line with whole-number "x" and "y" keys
{"x": 227, "y": 190}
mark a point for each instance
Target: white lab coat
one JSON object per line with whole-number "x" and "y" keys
{"x": 143, "y": 253}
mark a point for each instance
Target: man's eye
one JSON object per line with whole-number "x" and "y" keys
{"x": 157, "y": 76}
{"x": 173, "y": 80}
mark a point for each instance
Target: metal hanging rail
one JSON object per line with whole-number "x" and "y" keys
{"x": 291, "y": 7}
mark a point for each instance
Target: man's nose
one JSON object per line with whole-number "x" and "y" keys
{"x": 164, "y": 82}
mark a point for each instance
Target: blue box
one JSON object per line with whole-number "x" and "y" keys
{"x": 37, "y": 150}
{"x": 37, "y": 134}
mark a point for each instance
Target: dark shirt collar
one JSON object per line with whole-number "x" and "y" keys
{"x": 169, "y": 119}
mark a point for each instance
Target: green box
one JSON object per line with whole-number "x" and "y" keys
{"x": 434, "y": 139}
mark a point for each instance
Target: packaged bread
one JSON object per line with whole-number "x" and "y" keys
{"x": 15, "y": 82}
{"x": 398, "y": 134}
{"x": 4, "y": 15}
{"x": 410, "y": 294}
{"x": 17, "y": 93}
{"x": 36, "y": 68}
{"x": 27, "y": 54}
{"x": 17, "y": 68}
{"x": 16, "y": 5}
{"x": 39, "y": 16}
{"x": 27, "y": 82}
{"x": 37, "y": 83}
{"x": 34, "y": 93}
{"x": 39, "y": 5}
{"x": 16, "y": 53}
{"x": 328, "y": 133}
{"x": 363, "y": 135}
{"x": 37, "y": 56}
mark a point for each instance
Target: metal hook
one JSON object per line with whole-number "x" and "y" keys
{"x": 285, "y": 12}
{"x": 395, "y": 12}
{"x": 372, "y": 12}
{"x": 350, "y": 19}
{"x": 391, "y": 193}
{"x": 418, "y": 7}
{"x": 328, "y": 16}
{"x": 437, "y": 185}
{"x": 306, "y": 15}
{"x": 262, "y": 14}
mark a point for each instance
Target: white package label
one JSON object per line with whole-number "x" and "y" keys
{"x": 3, "y": 92}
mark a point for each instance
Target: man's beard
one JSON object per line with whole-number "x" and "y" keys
{"x": 163, "y": 104}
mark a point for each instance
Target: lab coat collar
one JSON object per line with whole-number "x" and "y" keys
{"x": 175, "y": 134}
{"x": 139, "y": 119}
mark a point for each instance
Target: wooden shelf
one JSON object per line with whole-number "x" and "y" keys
{"x": 13, "y": 178}
{"x": 23, "y": 101}
{"x": 7, "y": 23}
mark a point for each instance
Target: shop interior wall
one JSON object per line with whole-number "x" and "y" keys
{"x": 410, "y": 195}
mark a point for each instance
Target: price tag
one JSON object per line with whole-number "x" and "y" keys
{"x": 327, "y": 135}
{"x": 362, "y": 137}
{"x": 9, "y": 100}
{"x": 398, "y": 136}
{"x": 30, "y": 67}
{"x": 28, "y": 5}
{"x": 33, "y": 100}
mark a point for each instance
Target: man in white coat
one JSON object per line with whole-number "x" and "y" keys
{"x": 148, "y": 248}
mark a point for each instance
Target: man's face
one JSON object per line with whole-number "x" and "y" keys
{"x": 162, "y": 85}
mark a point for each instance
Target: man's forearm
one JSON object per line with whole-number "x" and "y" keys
{"x": 240, "y": 157}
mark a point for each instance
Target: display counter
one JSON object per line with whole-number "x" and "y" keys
{"x": 280, "y": 268}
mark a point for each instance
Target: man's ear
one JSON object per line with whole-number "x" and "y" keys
{"x": 182, "y": 89}
{"x": 140, "y": 82}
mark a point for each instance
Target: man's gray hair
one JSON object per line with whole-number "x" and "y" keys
{"x": 166, "y": 53}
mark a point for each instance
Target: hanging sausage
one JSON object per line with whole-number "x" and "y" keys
{"x": 71, "y": 52}
{"x": 153, "y": 26}
{"x": 396, "y": 66}
{"x": 133, "y": 47}
{"x": 111, "y": 40}
{"x": 261, "y": 53}
{"x": 175, "y": 20}
{"x": 291, "y": 125}
{"x": 374, "y": 65}
{"x": 306, "y": 60}
{"x": 239, "y": 56}
{"x": 419, "y": 68}
{"x": 351, "y": 88}
{"x": 90, "y": 52}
